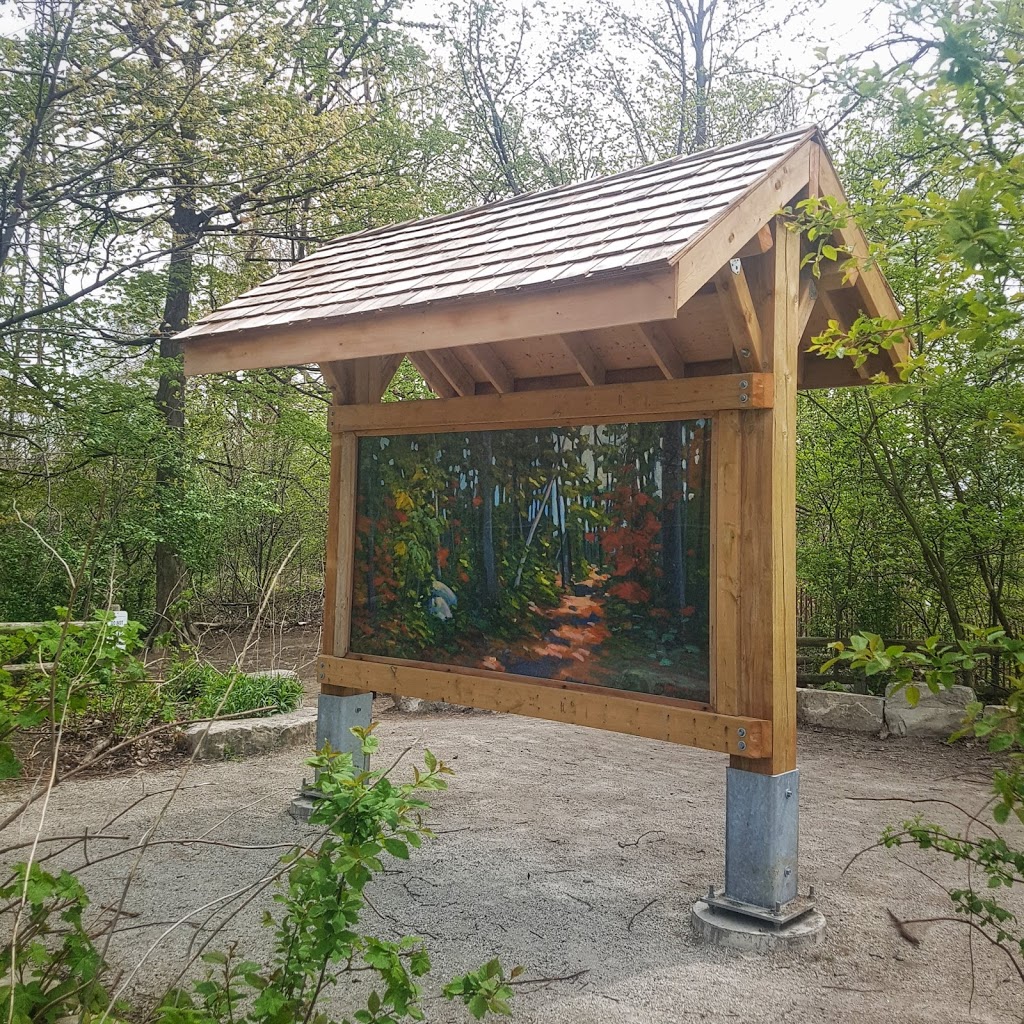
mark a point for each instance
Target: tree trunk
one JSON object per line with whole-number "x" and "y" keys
{"x": 170, "y": 401}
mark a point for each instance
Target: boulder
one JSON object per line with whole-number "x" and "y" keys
{"x": 935, "y": 714}
{"x": 831, "y": 709}
{"x": 240, "y": 737}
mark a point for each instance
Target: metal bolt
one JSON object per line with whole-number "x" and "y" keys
{"x": 711, "y": 892}
{"x": 789, "y": 793}
{"x": 741, "y": 732}
{"x": 810, "y": 894}
{"x": 744, "y": 399}
{"x": 778, "y": 907}
{"x": 735, "y": 266}
{"x": 788, "y": 872}
{"x": 741, "y": 745}
{"x": 744, "y": 384}
{"x": 745, "y": 352}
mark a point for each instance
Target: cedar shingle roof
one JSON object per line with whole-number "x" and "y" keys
{"x": 630, "y": 222}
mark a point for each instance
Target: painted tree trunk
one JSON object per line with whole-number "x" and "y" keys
{"x": 672, "y": 542}
{"x": 487, "y": 520}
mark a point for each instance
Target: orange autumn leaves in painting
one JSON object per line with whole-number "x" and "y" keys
{"x": 630, "y": 545}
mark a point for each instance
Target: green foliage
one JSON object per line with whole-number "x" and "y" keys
{"x": 937, "y": 664}
{"x": 87, "y": 669}
{"x": 366, "y": 819}
{"x": 995, "y": 857}
{"x": 54, "y": 972}
{"x": 236, "y": 693}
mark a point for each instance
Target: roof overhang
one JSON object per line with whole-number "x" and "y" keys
{"x": 681, "y": 313}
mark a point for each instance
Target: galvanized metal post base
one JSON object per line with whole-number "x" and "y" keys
{"x": 760, "y": 897}
{"x": 336, "y": 718}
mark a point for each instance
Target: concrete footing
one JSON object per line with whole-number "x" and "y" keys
{"x": 301, "y": 806}
{"x": 745, "y": 934}
{"x": 335, "y": 720}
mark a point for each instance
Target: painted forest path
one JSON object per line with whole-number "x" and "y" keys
{"x": 576, "y": 629}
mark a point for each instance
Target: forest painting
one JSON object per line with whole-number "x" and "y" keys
{"x": 578, "y": 554}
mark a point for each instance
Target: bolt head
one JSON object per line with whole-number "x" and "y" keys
{"x": 741, "y": 732}
{"x": 745, "y": 352}
{"x": 744, "y": 399}
{"x": 742, "y": 745}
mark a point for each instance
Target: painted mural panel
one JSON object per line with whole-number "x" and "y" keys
{"x": 577, "y": 554}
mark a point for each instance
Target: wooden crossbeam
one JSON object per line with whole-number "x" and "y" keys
{"x": 645, "y": 402}
{"x": 586, "y": 359}
{"x": 489, "y": 363}
{"x": 598, "y": 707}
{"x": 740, "y": 316}
{"x": 663, "y": 348}
{"x": 436, "y": 380}
{"x": 455, "y": 373}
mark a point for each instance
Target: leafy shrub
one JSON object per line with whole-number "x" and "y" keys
{"x": 364, "y": 818}
{"x": 55, "y": 969}
{"x": 91, "y": 671}
{"x": 997, "y": 858}
{"x": 236, "y": 693}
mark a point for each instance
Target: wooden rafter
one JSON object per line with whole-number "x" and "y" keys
{"x": 663, "y": 348}
{"x": 759, "y": 244}
{"x": 455, "y": 373}
{"x": 586, "y": 359}
{"x": 436, "y": 380}
{"x": 740, "y": 315}
{"x": 835, "y": 276}
{"x": 489, "y": 363}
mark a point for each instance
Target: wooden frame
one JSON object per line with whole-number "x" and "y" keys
{"x": 726, "y": 400}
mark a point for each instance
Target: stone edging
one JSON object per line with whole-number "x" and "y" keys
{"x": 936, "y": 715}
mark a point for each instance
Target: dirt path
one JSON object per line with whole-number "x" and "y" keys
{"x": 578, "y": 853}
{"x": 572, "y": 638}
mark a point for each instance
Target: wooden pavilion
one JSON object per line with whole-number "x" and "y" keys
{"x": 667, "y": 292}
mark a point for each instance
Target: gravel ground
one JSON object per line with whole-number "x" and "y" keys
{"x": 578, "y": 853}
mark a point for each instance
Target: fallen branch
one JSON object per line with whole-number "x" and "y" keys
{"x": 901, "y": 928}
{"x": 646, "y": 906}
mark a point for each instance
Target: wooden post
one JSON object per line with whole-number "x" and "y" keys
{"x": 765, "y": 684}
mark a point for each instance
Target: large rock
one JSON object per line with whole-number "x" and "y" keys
{"x": 242, "y": 736}
{"x": 935, "y": 714}
{"x": 831, "y": 709}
